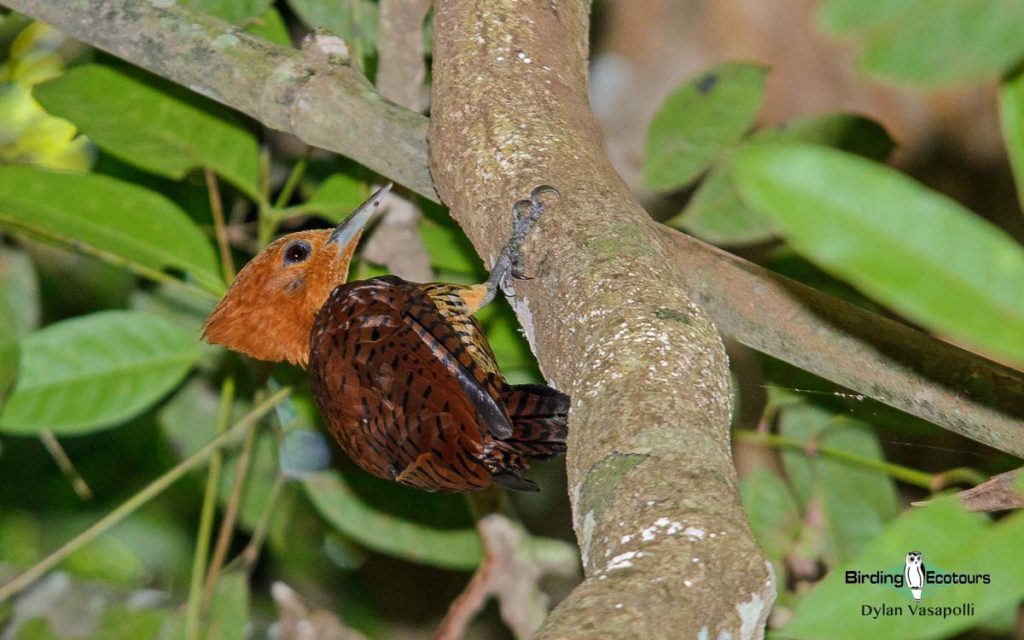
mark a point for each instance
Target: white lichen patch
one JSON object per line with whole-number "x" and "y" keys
{"x": 694, "y": 534}
{"x": 521, "y": 305}
{"x": 332, "y": 45}
{"x": 586, "y": 535}
{"x": 753, "y": 615}
{"x": 662, "y": 526}
{"x": 225, "y": 40}
{"x": 623, "y": 560}
{"x": 162, "y": 4}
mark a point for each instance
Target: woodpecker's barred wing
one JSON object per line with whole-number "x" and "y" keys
{"x": 440, "y": 317}
{"x": 400, "y": 404}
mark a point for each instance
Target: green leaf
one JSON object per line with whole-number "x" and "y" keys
{"x": 932, "y": 42}
{"x": 19, "y": 311}
{"x": 716, "y": 212}
{"x": 96, "y": 371}
{"x": 19, "y": 291}
{"x": 388, "y": 533}
{"x": 37, "y": 629}
{"x": 154, "y": 126}
{"x": 951, "y": 540}
{"x": 113, "y": 217}
{"x": 700, "y": 121}
{"x": 448, "y": 248}
{"x": 856, "y": 502}
{"x": 8, "y": 356}
{"x": 773, "y": 513}
{"x": 337, "y": 196}
{"x": 1011, "y": 115}
{"x": 123, "y": 623}
{"x": 236, "y": 11}
{"x": 229, "y": 608}
{"x": 354, "y": 20}
{"x": 908, "y": 247}
{"x": 851, "y": 16}
{"x": 270, "y": 26}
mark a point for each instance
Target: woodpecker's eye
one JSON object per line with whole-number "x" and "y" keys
{"x": 296, "y": 252}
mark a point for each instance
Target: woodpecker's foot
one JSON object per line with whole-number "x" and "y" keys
{"x": 510, "y": 263}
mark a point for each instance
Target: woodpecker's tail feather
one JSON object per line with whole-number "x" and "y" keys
{"x": 539, "y": 419}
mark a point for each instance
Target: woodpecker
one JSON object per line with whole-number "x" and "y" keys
{"x": 401, "y": 371}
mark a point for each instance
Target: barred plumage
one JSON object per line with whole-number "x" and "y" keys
{"x": 410, "y": 388}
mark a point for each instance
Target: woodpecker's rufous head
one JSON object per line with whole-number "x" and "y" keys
{"x": 269, "y": 310}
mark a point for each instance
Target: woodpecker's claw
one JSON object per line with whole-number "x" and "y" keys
{"x": 525, "y": 214}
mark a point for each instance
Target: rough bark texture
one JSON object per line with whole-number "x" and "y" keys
{"x": 907, "y": 369}
{"x": 662, "y": 533}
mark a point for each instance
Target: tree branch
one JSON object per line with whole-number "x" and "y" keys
{"x": 328, "y": 104}
{"x": 611, "y": 322}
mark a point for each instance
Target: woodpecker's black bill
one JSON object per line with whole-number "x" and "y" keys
{"x": 349, "y": 229}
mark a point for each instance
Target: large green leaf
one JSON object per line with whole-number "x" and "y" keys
{"x": 899, "y": 242}
{"x": 19, "y": 311}
{"x": 236, "y": 11}
{"x": 855, "y": 502}
{"x": 116, "y": 218}
{"x": 932, "y": 41}
{"x": 389, "y": 533}
{"x": 951, "y": 540}
{"x": 96, "y": 371}
{"x": 773, "y": 513}
{"x": 1011, "y": 115}
{"x": 152, "y": 126}
{"x": 717, "y": 213}
{"x": 700, "y": 120}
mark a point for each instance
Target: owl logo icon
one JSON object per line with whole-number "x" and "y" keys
{"x": 913, "y": 572}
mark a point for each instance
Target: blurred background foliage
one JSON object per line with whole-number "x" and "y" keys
{"x": 114, "y": 185}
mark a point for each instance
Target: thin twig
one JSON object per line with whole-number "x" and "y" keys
{"x": 251, "y": 553}
{"x": 906, "y": 475}
{"x": 220, "y": 229}
{"x": 60, "y": 456}
{"x": 154, "y": 489}
{"x": 265, "y": 215}
{"x": 285, "y": 194}
{"x": 227, "y": 525}
{"x": 469, "y": 602}
{"x": 194, "y": 609}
